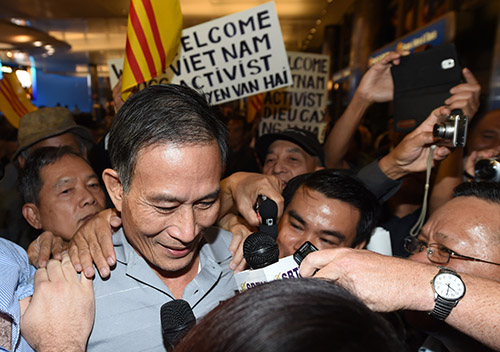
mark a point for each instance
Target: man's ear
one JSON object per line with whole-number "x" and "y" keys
{"x": 114, "y": 187}
{"x": 32, "y": 215}
{"x": 360, "y": 245}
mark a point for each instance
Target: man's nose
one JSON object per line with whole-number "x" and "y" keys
{"x": 183, "y": 224}
{"x": 279, "y": 167}
{"x": 87, "y": 197}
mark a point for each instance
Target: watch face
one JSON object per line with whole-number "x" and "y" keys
{"x": 449, "y": 286}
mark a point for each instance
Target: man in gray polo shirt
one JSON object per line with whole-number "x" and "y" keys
{"x": 167, "y": 149}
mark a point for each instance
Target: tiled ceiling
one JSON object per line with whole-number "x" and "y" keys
{"x": 95, "y": 29}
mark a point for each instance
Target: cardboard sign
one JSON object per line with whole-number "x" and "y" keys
{"x": 303, "y": 104}
{"x": 231, "y": 57}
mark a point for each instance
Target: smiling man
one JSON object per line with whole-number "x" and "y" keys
{"x": 289, "y": 153}
{"x": 167, "y": 149}
{"x": 327, "y": 208}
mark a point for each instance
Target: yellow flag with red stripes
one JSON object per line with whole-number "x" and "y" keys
{"x": 153, "y": 35}
{"x": 254, "y": 105}
{"x": 14, "y": 103}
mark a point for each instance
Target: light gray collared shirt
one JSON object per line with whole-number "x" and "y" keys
{"x": 128, "y": 303}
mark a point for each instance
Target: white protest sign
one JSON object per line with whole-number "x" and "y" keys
{"x": 115, "y": 67}
{"x": 231, "y": 57}
{"x": 303, "y": 104}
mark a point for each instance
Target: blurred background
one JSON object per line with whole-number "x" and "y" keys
{"x": 59, "y": 48}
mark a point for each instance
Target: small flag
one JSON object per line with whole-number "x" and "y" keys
{"x": 254, "y": 105}
{"x": 14, "y": 103}
{"x": 153, "y": 36}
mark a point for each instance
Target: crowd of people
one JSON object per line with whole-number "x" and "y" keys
{"x": 159, "y": 209}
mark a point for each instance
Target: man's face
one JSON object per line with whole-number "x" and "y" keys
{"x": 325, "y": 222}
{"x": 486, "y": 135}
{"x": 173, "y": 196}
{"x": 468, "y": 226}
{"x": 69, "y": 197}
{"x": 286, "y": 160}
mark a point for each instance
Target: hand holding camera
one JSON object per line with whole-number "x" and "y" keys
{"x": 453, "y": 130}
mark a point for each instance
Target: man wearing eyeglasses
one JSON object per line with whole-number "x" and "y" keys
{"x": 462, "y": 238}
{"x": 463, "y": 234}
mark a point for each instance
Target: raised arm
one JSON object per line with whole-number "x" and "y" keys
{"x": 375, "y": 86}
{"x": 465, "y": 96}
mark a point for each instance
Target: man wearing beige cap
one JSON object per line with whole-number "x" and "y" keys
{"x": 53, "y": 127}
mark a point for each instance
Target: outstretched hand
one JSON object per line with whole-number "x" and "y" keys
{"x": 93, "y": 243}
{"x": 61, "y": 312}
{"x": 465, "y": 96}
{"x": 377, "y": 86}
{"x": 411, "y": 154}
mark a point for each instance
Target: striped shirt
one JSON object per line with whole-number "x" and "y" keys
{"x": 16, "y": 283}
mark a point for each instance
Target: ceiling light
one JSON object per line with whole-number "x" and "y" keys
{"x": 313, "y": 30}
{"x": 318, "y": 22}
{"x": 37, "y": 43}
{"x": 9, "y": 53}
{"x": 22, "y": 38}
{"x": 19, "y": 21}
{"x": 6, "y": 69}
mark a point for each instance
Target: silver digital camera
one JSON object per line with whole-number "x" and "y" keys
{"x": 487, "y": 170}
{"x": 453, "y": 130}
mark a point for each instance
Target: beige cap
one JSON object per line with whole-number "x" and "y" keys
{"x": 45, "y": 123}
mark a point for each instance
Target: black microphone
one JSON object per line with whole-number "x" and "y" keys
{"x": 268, "y": 211}
{"x": 177, "y": 319}
{"x": 260, "y": 250}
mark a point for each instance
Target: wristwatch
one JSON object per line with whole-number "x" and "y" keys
{"x": 448, "y": 291}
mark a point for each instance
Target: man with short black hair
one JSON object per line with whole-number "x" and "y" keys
{"x": 328, "y": 208}
{"x": 168, "y": 150}
{"x": 60, "y": 191}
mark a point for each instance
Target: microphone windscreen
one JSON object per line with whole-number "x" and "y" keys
{"x": 268, "y": 209}
{"x": 260, "y": 250}
{"x": 176, "y": 319}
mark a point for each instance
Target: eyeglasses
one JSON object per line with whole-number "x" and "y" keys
{"x": 436, "y": 252}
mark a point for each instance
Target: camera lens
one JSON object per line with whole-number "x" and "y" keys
{"x": 487, "y": 170}
{"x": 443, "y": 130}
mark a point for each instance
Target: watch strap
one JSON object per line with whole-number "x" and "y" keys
{"x": 442, "y": 308}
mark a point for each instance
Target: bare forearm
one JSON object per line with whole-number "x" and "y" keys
{"x": 338, "y": 140}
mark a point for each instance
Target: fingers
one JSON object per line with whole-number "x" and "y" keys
{"x": 45, "y": 245}
{"x": 469, "y": 77}
{"x": 317, "y": 260}
{"x": 58, "y": 246}
{"x": 240, "y": 233}
{"x": 41, "y": 276}
{"x": 466, "y": 96}
{"x": 67, "y": 268}
{"x": 436, "y": 116}
{"x": 80, "y": 255}
{"x": 55, "y": 271}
